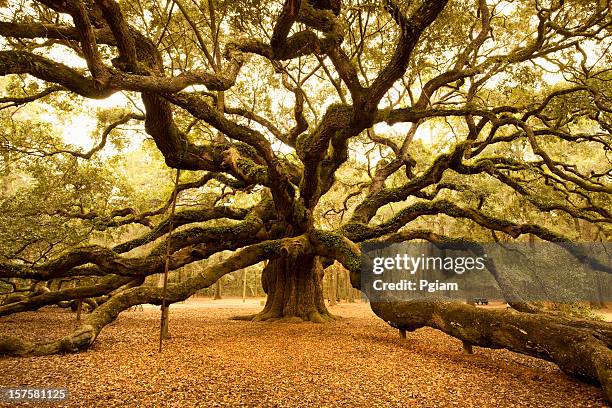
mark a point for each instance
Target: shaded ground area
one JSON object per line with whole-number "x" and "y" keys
{"x": 357, "y": 361}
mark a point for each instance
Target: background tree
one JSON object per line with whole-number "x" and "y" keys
{"x": 413, "y": 113}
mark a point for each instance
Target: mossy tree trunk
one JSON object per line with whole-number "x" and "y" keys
{"x": 295, "y": 291}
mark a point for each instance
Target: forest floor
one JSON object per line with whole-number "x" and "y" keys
{"x": 210, "y": 361}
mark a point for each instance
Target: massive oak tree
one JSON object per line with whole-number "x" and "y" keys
{"x": 492, "y": 118}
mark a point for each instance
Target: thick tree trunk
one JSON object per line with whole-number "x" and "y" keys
{"x": 294, "y": 289}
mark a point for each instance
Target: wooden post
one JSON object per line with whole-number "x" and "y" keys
{"x": 79, "y": 307}
{"x": 467, "y": 347}
{"x": 164, "y": 322}
{"x": 163, "y": 327}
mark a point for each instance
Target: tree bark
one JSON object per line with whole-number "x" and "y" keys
{"x": 295, "y": 292}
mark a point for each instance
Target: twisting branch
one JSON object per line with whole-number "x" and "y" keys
{"x": 86, "y": 334}
{"x": 17, "y": 101}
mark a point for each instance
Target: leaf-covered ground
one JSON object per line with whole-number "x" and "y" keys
{"x": 211, "y": 361}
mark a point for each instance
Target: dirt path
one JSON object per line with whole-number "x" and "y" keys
{"x": 211, "y": 361}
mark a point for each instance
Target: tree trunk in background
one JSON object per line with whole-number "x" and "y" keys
{"x": 350, "y": 295}
{"x": 244, "y": 284}
{"x": 333, "y": 288}
{"x": 294, "y": 289}
{"x": 5, "y": 185}
{"x": 589, "y": 233}
{"x": 338, "y": 285}
{"x": 217, "y": 295}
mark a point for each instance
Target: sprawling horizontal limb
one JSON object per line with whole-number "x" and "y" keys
{"x": 86, "y": 334}
{"x": 579, "y": 351}
{"x": 94, "y": 260}
{"x": 104, "y": 286}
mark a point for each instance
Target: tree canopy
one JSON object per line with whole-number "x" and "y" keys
{"x": 301, "y": 128}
